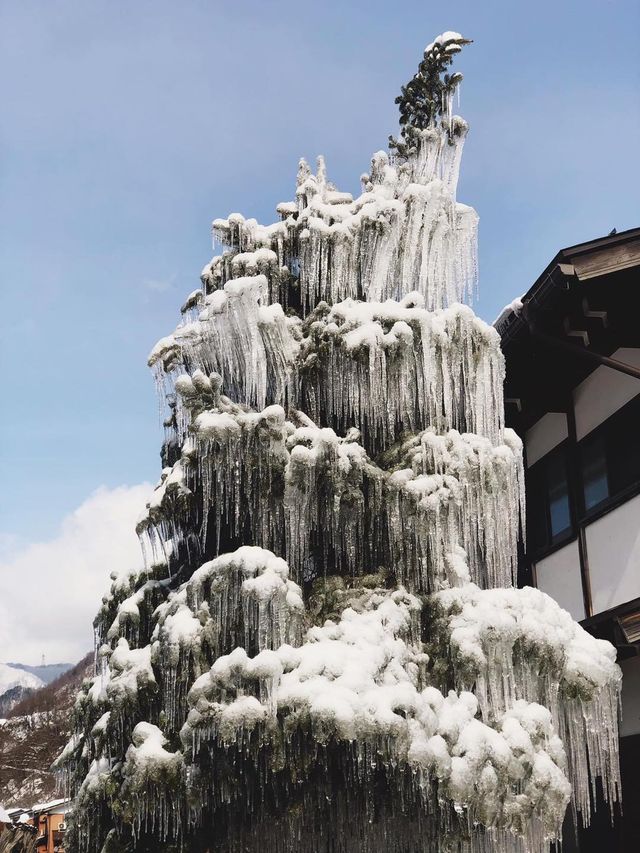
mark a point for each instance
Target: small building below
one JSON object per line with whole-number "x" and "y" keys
{"x": 45, "y": 822}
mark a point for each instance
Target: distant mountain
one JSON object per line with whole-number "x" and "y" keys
{"x": 15, "y": 685}
{"x": 35, "y": 732}
{"x": 11, "y": 676}
{"x": 11, "y": 697}
{"x": 46, "y": 672}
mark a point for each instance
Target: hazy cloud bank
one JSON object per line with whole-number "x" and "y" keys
{"x": 50, "y": 591}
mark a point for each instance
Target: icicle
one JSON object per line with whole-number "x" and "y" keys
{"x": 334, "y": 416}
{"x": 393, "y": 366}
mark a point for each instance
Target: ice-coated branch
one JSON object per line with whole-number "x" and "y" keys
{"x": 325, "y": 650}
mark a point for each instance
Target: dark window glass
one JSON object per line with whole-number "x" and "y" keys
{"x": 558, "y": 495}
{"x": 537, "y": 514}
{"x": 595, "y": 479}
{"x": 548, "y": 503}
{"x": 623, "y": 447}
{"x": 610, "y": 456}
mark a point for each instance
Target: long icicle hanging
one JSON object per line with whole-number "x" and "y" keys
{"x": 325, "y": 650}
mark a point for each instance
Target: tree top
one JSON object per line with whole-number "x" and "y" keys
{"x": 429, "y": 92}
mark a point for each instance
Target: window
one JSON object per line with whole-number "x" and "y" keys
{"x": 595, "y": 480}
{"x": 559, "y": 513}
{"x": 610, "y": 457}
{"x": 548, "y": 502}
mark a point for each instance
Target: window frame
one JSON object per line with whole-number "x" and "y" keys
{"x": 571, "y": 450}
{"x": 533, "y": 477}
{"x": 630, "y": 411}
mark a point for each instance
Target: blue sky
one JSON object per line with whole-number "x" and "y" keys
{"x": 127, "y": 127}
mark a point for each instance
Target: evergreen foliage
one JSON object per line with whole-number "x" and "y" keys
{"x": 325, "y": 651}
{"x": 428, "y": 94}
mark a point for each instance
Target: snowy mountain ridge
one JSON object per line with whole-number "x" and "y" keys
{"x": 46, "y": 672}
{"x": 37, "y": 727}
{"x": 11, "y": 676}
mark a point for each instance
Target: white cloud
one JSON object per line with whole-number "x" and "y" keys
{"x": 9, "y": 543}
{"x": 51, "y": 591}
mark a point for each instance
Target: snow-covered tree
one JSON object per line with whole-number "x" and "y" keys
{"x": 326, "y": 651}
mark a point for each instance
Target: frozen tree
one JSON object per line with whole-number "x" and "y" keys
{"x": 326, "y": 651}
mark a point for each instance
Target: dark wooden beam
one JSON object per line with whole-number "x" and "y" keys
{"x": 575, "y": 485}
{"x": 586, "y": 354}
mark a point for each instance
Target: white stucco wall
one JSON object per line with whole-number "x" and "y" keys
{"x": 544, "y": 435}
{"x": 559, "y": 576}
{"x": 613, "y": 549}
{"x": 605, "y": 391}
{"x": 630, "y": 724}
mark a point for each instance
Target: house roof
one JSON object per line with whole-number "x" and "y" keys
{"x": 583, "y": 306}
{"x": 595, "y": 258}
{"x": 56, "y": 806}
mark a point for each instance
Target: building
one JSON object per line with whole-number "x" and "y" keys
{"x": 16, "y": 833}
{"x": 49, "y": 820}
{"x": 45, "y": 821}
{"x": 572, "y": 392}
{"x": 18, "y": 815}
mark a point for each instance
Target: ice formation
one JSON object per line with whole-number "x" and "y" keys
{"x": 326, "y": 650}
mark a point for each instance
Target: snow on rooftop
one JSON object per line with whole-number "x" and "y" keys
{"x": 47, "y": 807}
{"x": 513, "y": 307}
